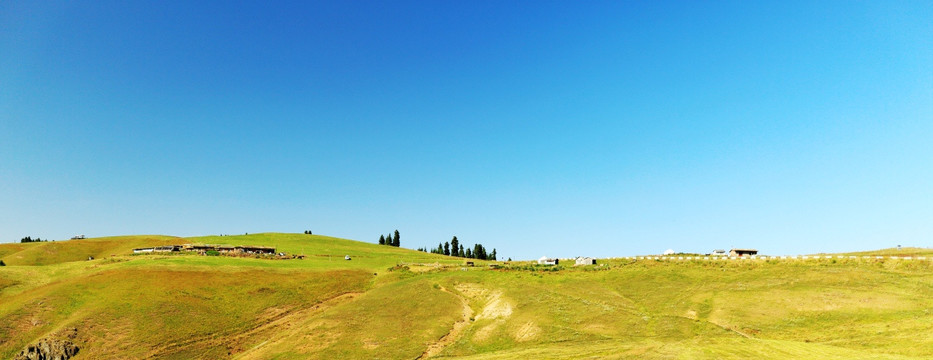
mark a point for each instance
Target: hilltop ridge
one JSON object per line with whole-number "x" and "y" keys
{"x": 389, "y": 302}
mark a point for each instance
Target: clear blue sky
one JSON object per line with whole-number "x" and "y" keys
{"x": 534, "y": 127}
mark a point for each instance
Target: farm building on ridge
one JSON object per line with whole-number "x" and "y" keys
{"x": 204, "y": 248}
{"x": 743, "y": 252}
{"x": 585, "y": 260}
{"x": 544, "y": 260}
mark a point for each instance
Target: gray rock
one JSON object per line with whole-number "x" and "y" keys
{"x": 49, "y": 349}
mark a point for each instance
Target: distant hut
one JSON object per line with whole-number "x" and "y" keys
{"x": 743, "y": 252}
{"x": 544, "y": 260}
{"x": 585, "y": 260}
{"x": 719, "y": 252}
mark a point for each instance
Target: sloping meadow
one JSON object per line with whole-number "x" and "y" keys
{"x": 392, "y": 303}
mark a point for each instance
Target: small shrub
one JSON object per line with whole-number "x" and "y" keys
{"x": 212, "y": 253}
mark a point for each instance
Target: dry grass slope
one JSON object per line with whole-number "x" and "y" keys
{"x": 193, "y": 307}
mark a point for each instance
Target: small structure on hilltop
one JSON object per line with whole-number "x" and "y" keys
{"x": 585, "y": 260}
{"x": 719, "y": 252}
{"x": 77, "y": 237}
{"x": 544, "y": 260}
{"x": 143, "y": 250}
{"x": 743, "y": 252}
{"x": 668, "y": 252}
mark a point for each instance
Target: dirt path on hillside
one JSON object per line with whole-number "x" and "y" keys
{"x": 284, "y": 327}
{"x": 276, "y": 320}
{"x": 727, "y": 328}
{"x": 690, "y": 315}
{"x": 454, "y": 333}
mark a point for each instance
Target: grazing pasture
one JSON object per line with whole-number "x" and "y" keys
{"x": 394, "y": 303}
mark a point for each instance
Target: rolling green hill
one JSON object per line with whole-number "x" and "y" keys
{"x": 392, "y": 303}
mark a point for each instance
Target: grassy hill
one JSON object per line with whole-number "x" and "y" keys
{"x": 189, "y": 306}
{"x": 44, "y": 253}
{"x": 907, "y": 251}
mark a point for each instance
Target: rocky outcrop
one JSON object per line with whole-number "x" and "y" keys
{"x": 50, "y": 349}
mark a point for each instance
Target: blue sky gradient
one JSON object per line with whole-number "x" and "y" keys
{"x": 538, "y": 128}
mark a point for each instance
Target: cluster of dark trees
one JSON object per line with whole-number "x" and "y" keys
{"x": 29, "y": 239}
{"x": 455, "y": 248}
{"x": 307, "y": 232}
{"x": 390, "y": 240}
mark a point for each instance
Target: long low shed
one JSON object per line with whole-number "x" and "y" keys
{"x": 244, "y": 249}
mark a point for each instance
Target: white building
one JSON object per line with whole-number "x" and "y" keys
{"x": 544, "y": 260}
{"x": 585, "y": 260}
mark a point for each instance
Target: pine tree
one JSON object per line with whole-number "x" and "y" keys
{"x": 453, "y": 244}
{"x": 493, "y": 255}
{"x": 480, "y": 252}
{"x": 440, "y": 248}
{"x": 382, "y": 240}
{"x": 396, "y": 242}
{"x": 447, "y": 248}
{"x": 469, "y": 253}
{"x": 460, "y": 252}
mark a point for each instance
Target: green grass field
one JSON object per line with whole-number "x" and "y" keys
{"x": 391, "y": 303}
